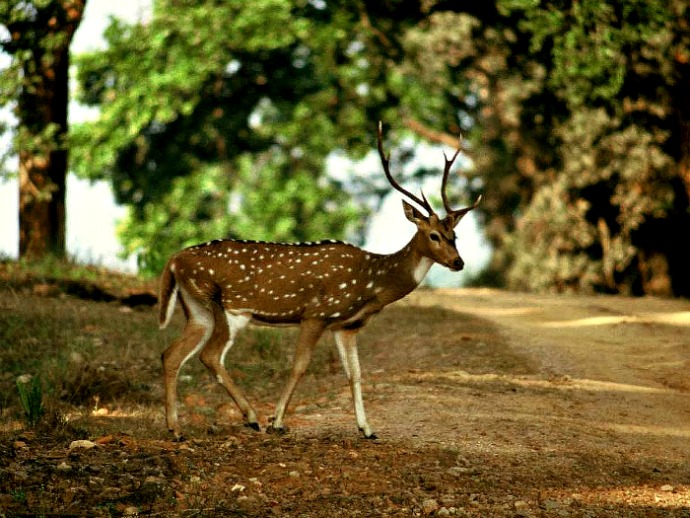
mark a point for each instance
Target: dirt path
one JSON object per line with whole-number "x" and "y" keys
{"x": 622, "y": 362}
{"x": 487, "y": 404}
{"x": 610, "y": 339}
{"x": 580, "y": 393}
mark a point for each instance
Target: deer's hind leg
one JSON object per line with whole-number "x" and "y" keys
{"x": 197, "y": 331}
{"x": 226, "y": 327}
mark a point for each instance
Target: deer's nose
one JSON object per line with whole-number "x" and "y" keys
{"x": 458, "y": 264}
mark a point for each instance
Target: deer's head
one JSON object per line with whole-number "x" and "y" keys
{"x": 435, "y": 236}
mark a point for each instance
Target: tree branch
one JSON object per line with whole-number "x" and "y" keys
{"x": 431, "y": 135}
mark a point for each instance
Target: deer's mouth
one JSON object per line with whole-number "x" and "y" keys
{"x": 456, "y": 265}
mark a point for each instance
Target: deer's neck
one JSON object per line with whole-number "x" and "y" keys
{"x": 416, "y": 262}
{"x": 405, "y": 270}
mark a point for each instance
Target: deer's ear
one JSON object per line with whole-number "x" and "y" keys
{"x": 413, "y": 214}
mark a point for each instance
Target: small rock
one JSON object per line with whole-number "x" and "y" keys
{"x": 667, "y": 488}
{"x": 63, "y": 467}
{"x": 237, "y": 487}
{"x": 130, "y": 511}
{"x": 429, "y": 505}
{"x": 96, "y": 482}
{"x": 443, "y": 511}
{"x": 521, "y": 504}
{"x": 81, "y": 444}
{"x": 231, "y": 443}
{"x": 294, "y": 474}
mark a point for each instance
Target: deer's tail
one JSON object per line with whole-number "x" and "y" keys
{"x": 168, "y": 295}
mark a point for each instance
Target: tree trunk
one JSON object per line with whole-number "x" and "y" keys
{"x": 42, "y": 113}
{"x": 43, "y": 174}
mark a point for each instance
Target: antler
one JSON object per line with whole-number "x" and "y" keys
{"x": 385, "y": 161}
{"x": 446, "y": 174}
{"x": 457, "y": 214}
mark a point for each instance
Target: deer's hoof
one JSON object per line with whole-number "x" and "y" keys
{"x": 178, "y": 436}
{"x": 277, "y": 430}
{"x": 253, "y": 426}
{"x": 371, "y": 436}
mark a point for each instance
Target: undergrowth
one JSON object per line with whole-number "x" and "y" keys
{"x": 54, "y": 276}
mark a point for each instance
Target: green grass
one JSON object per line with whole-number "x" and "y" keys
{"x": 30, "y": 390}
{"x": 90, "y": 355}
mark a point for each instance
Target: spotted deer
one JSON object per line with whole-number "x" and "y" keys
{"x": 224, "y": 285}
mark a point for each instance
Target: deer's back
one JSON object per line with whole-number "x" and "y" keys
{"x": 284, "y": 283}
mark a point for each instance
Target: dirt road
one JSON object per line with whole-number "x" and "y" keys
{"x": 605, "y": 377}
{"x": 486, "y": 403}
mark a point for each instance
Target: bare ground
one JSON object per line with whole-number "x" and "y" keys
{"x": 486, "y": 403}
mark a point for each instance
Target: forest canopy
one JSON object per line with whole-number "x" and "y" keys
{"x": 217, "y": 119}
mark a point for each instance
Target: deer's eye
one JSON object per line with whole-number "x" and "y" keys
{"x": 435, "y": 237}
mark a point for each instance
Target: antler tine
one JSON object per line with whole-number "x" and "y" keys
{"x": 446, "y": 174}
{"x": 458, "y": 214}
{"x": 385, "y": 161}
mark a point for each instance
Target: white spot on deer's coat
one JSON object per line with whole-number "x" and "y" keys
{"x": 343, "y": 286}
{"x": 371, "y": 284}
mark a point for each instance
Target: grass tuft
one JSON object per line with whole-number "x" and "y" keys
{"x": 30, "y": 390}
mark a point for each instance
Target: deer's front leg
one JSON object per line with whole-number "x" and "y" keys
{"x": 310, "y": 332}
{"x": 346, "y": 340}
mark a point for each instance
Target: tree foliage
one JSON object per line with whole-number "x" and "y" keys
{"x": 579, "y": 129}
{"x": 217, "y": 118}
{"x": 608, "y": 207}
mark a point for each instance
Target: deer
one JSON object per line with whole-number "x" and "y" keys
{"x": 224, "y": 285}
